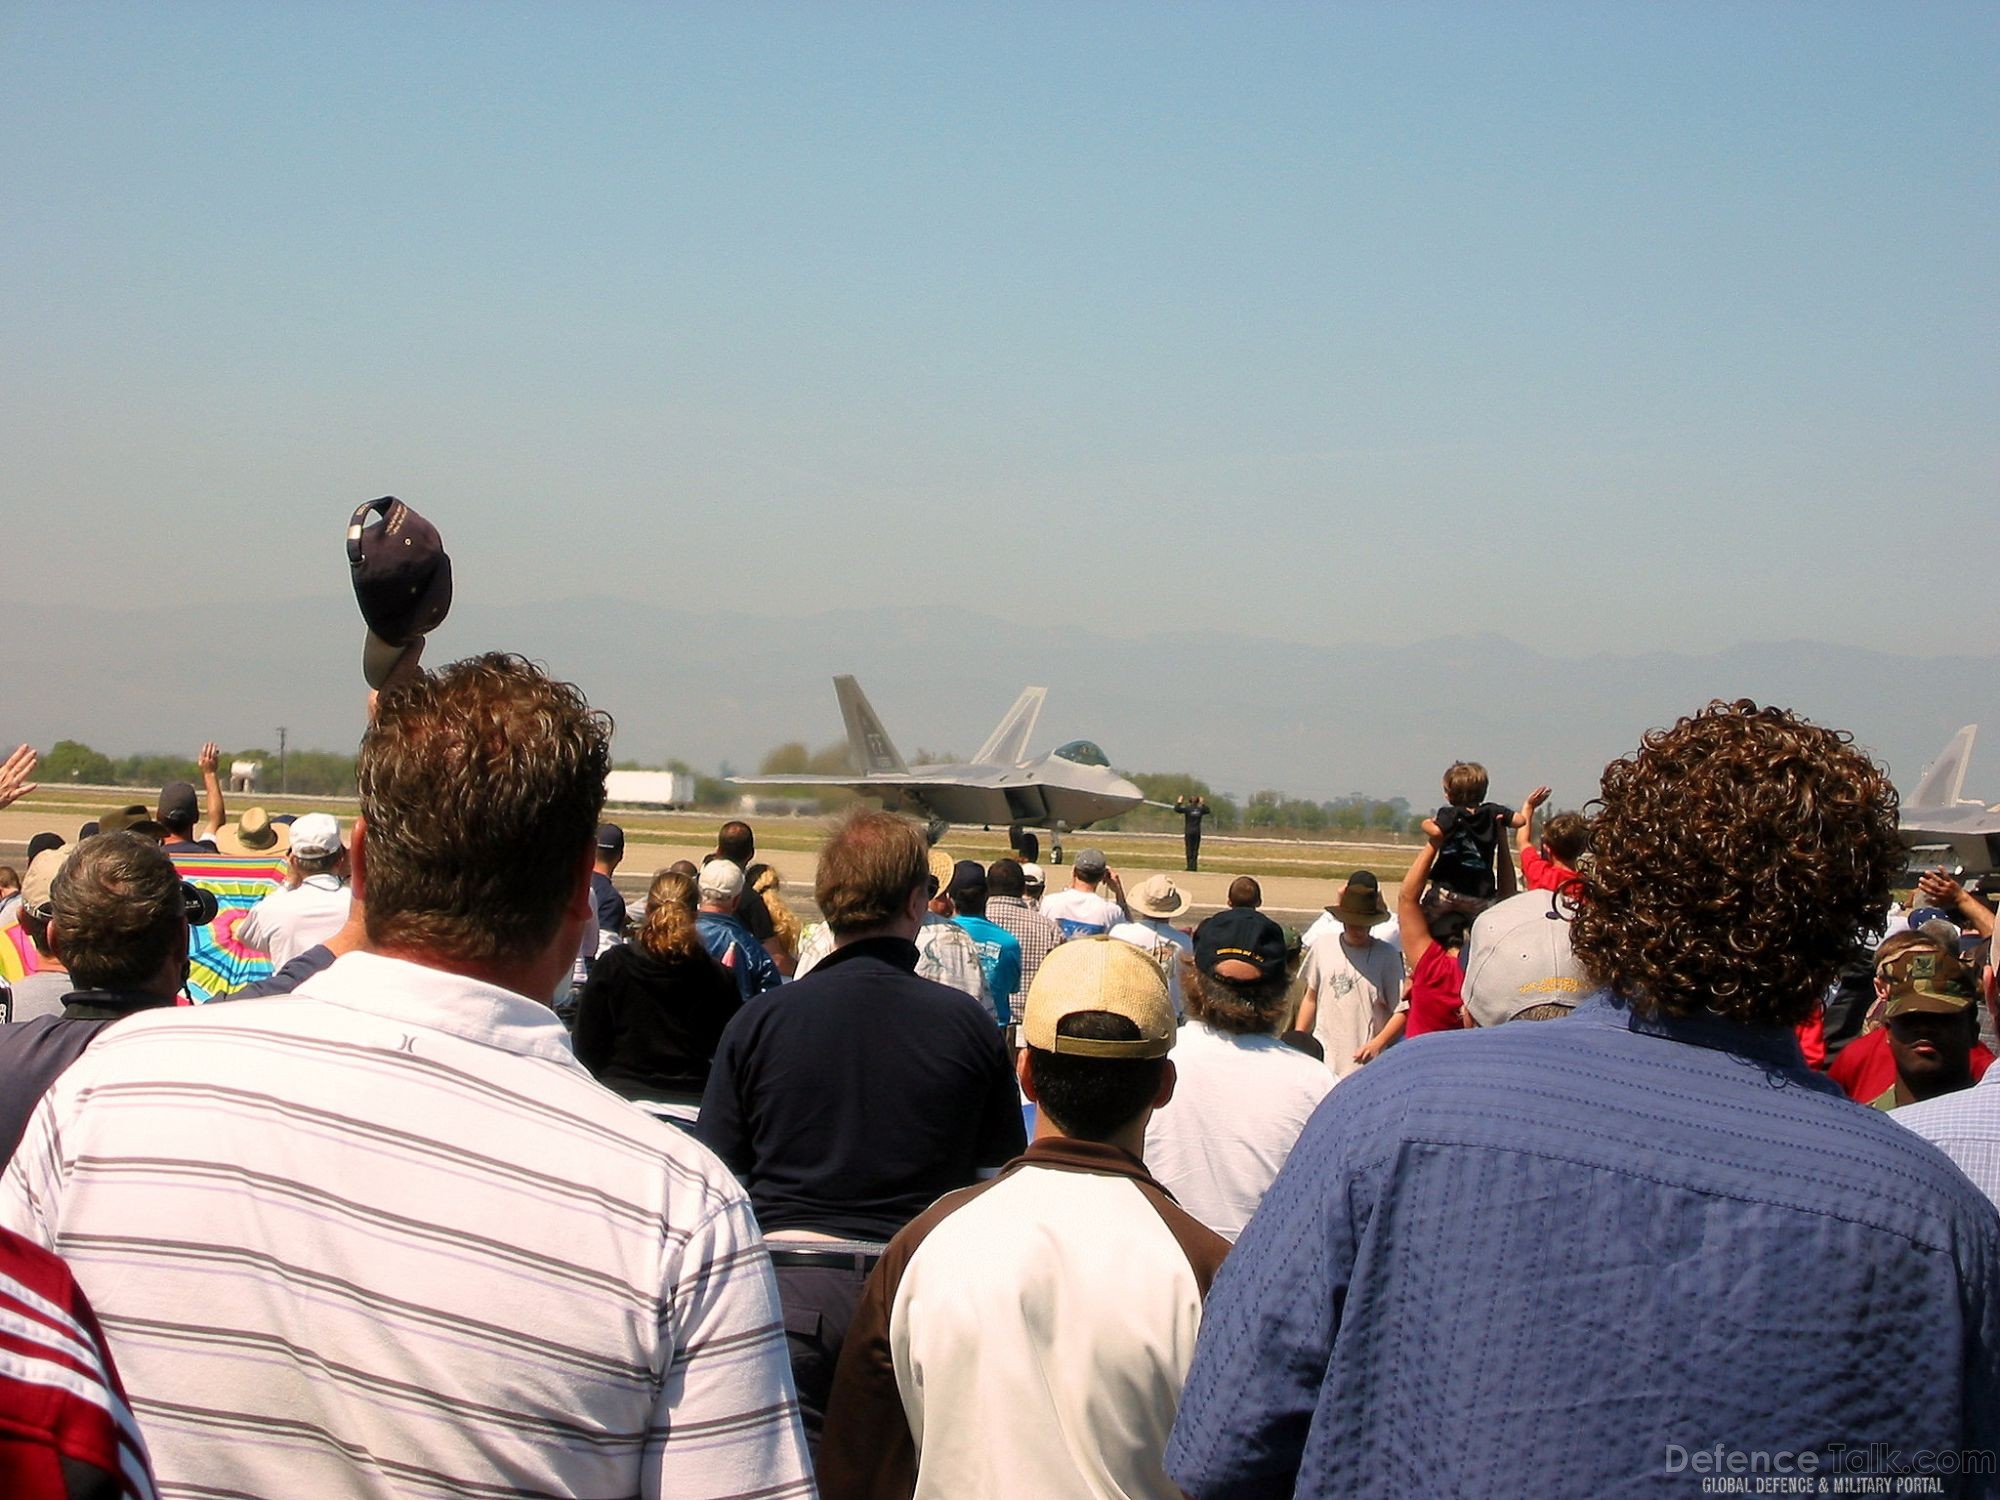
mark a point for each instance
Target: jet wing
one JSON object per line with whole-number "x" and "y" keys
{"x": 856, "y": 783}
{"x": 1944, "y": 779}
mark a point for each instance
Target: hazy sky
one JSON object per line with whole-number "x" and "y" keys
{"x": 1604, "y": 326}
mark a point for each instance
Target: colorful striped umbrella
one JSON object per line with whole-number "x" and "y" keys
{"x": 18, "y": 958}
{"x": 218, "y": 960}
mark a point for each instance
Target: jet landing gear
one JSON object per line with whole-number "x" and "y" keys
{"x": 1027, "y": 844}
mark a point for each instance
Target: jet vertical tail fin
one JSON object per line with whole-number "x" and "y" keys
{"x": 1944, "y": 779}
{"x": 865, "y": 735}
{"x": 1008, "y": 744}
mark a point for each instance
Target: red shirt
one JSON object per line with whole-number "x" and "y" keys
{"x": 1435, "y": 1004}
{"x": 1543, "y": 873}
{"x": 1812, "y": 1041}
{"x": 60, "y": 1399}
{"x": 1866, "y": 1067}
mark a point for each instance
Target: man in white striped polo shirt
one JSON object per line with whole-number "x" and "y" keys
{"x": 386, "y": 1236}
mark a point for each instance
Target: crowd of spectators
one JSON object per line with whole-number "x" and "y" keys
{"x": 408, "y": 1158}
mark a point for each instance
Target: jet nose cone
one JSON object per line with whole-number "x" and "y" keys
{"x": 1120, "y": 787}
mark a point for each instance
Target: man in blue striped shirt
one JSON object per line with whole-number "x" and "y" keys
{"x": 1625, "y": 1251}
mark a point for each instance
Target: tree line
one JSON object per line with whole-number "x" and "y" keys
{"x": 309, "y": 773}
{"x": 327, "y": 773}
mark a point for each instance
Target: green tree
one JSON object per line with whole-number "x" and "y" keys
{"x": 1262, "y": 811}
{"x": 1307, "y": 817}
{"x": 312, "y": 773}
{"x": 154, "y": 768}
{"x": 73, "y": 761}
{"x": 1393, "y": 815}
{"x": 789, "y": 759}
{"x": 836, "y": 759}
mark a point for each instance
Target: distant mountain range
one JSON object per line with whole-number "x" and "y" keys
{"x": 1312, "y": 721}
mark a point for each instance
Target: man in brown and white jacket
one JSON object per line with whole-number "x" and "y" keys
{"x": 1030, "y": 1336}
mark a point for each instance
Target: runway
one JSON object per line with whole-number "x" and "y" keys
{"x": 1298, "y": 876}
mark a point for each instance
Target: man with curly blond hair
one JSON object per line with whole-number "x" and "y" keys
{"x": 1609, "y": 1253}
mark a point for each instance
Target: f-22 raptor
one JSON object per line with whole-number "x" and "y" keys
{"x": 1940, "y": 827}
{"x": 1071, "y": 787}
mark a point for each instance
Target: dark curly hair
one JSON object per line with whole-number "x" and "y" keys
{"x": 1739, "y": 855}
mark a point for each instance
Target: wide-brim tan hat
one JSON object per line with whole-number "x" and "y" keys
{"x": 942, "y": 864}
{"x": 253, "y": 834}
{"x": 121, "y": 818}
{"x": 1157, "y": 896}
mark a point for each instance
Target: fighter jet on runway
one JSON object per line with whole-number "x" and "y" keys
{"x": 1071, "y": 787}
{"x": 1941, "y": 828}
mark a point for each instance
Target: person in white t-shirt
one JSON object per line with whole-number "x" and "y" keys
{"x": 1384, "y": 931}
{"x": 945, "y": 951}
{"x": 1353, "y": 1003}
{"x": 1243, "y": 1095}
{"x": 1082, "y": 911}
{"x": 287, "y": 922}
{"x": 1154, "y": 904}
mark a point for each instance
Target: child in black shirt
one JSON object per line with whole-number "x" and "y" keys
{"x": 1472, "y": 868}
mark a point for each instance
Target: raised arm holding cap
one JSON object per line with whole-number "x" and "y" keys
{"x": 402, "y": 581}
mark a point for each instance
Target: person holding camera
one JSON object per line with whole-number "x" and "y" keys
{"x": 118, "y": 915}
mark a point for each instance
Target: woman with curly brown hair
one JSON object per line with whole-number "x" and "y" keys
{"x": 654, "y": 1008}
{"x": 1739, "y": 854}
{"x": 1590, "y": 1248}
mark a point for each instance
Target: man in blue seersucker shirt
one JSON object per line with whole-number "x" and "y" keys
{"x": 1623, "y": 1251}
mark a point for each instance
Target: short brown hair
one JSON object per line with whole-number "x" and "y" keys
{"x": 481, "y": 786}
{"x": 1465, "y": 783}
{"x": 871, "y": 863}
{"x": 1567, "y": 837}
{"x": 119, "y": 911}
{"x": 1547, "y": 1011}
{"x": 1244, "y": 891}
{"x": 1737, "y": 855}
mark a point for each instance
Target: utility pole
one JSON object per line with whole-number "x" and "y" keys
{"x": 281, "y": 760}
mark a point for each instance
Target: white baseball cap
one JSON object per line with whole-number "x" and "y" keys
{"x": 721, "y": 879}
{"x": 316, "y": 836}
{"x": 1518, "y": 956}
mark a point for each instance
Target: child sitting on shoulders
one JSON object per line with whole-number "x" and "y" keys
{"x": 1472, "y": 867}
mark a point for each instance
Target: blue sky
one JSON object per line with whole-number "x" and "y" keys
{"x": 1606, "y": 327}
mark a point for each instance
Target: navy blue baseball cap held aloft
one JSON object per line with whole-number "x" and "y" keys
{"x": 402, "y": 581}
